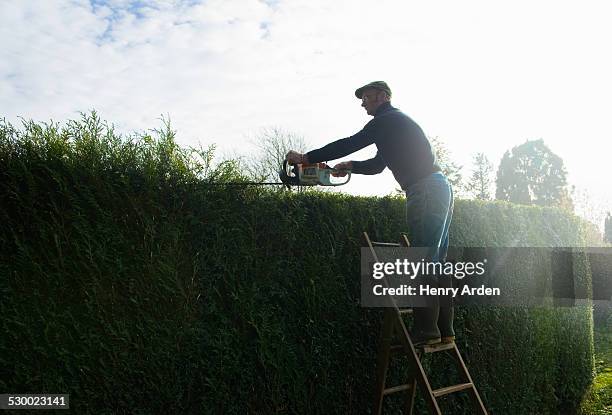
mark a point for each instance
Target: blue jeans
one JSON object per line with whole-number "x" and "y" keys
{"x": 429, "y": 210}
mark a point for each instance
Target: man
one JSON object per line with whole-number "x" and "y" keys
{"x": 404, "y": 148}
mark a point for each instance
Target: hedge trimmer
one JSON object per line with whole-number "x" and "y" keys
{"x": 316, "y": 174}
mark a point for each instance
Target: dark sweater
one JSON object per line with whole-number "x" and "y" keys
{"x": 402, "y": 146}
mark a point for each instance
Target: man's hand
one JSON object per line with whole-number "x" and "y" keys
{"x": 343, "y": 167}
{"x": 293, "y": 157}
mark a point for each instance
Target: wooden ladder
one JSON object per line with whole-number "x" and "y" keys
{"x": 394, "y": 328}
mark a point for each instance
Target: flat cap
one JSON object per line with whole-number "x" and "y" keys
{"x": 381, "y": 85}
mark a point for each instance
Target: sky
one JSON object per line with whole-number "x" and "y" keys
{"x": 482, "y": 75}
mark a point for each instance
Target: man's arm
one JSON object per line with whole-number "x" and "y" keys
{"x": 342, "y": 147}
{"x": 372, "y": 166}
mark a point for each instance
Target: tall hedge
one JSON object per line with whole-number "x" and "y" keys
{"x": 131, "y": 281}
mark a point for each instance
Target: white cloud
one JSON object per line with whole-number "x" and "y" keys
{"x": 483, "y": 75}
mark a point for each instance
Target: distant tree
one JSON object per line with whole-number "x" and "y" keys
{"x": 273, "y": 144}
{"x": 450, "y": 169}
{"x": 480, "y": 181}
{"x": 590, "y": 207}
{"x": 608, "y": 229}
{"x": 531, "y": 174}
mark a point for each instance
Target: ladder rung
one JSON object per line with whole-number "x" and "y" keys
{"x": 397, "y": 348}
{"x": 405, "y": 311}
{"x": 450, "y": 389}
{"x": 384, "y": 244}
{"x": 396, "y": 389}
{"x": 439, "y": 347}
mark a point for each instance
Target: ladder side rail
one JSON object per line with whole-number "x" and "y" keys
{"x": 421, "y": 377}
{"x": 384, "y": 280}
{"x": 473, "y": 392}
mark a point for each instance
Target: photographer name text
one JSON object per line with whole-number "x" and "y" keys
{"x": 427, "y": 290}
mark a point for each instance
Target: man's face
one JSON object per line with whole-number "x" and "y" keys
{"x": 371, "y": 100}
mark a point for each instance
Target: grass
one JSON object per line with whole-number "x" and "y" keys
{"x": 599, "y": 398}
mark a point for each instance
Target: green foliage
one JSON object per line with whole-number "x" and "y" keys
{"x": 598, "y": 400}
{"x": 532, "y": 174}
{"x": 481, "y": 179}
{"x": 132, "y": 283}
{"x": 450, "y": 169}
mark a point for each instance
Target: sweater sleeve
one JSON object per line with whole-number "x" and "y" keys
{"x": 372, "y": 166}
{"x": 344, "y": 146}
